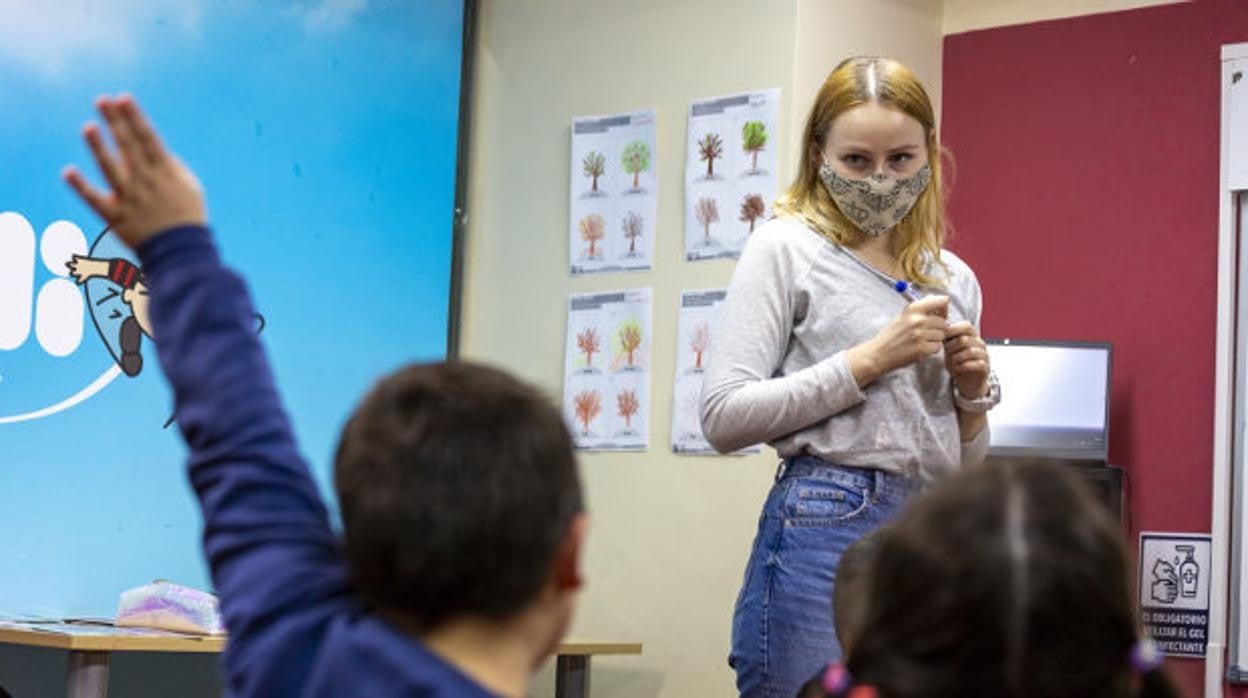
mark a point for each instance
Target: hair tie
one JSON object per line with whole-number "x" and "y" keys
{"x": 1145, "y": 655}
{"x": 836, "y": 679}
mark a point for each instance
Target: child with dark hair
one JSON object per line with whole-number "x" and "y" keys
{"x": 849, "y": 601}
{"x": 853, "y": 586}
{"x": 1007, "y": 581}
{"x": 460, "y": 500}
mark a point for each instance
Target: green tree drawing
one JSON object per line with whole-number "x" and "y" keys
{"x": 630, "y": 339}
{"x": 710, "y": 149}
{"x": 636, "y": 159}
{"x": 593, "y": 165}
{"x": 754, "y": 139}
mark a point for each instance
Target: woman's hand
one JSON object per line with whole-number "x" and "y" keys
{"x": 966, "y": 357}
{"x": 916, "y": 332}
{"x": 151, "y": 190}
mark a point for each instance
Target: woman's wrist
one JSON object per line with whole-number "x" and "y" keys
{"x": 973, "y": 390}
{"x": 864, "y": 363}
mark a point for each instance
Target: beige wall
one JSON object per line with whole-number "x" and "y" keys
{"x": 968, "y": 15}
{"x": 670, "y": 535}
{"x": 830, "y": 30}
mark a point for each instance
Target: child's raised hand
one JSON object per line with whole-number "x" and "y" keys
{"x": 150, "y": 189}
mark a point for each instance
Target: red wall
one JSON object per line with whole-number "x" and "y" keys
{"x": 1085, "y": 197}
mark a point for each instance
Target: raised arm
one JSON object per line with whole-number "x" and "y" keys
{"x": 266, "y": 532}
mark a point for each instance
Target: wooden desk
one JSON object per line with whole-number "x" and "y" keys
{"x": 90, "y": 645}
{"x": 572, "y": 664}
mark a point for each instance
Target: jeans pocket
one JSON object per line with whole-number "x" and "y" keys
{"x": 813, "y": 500}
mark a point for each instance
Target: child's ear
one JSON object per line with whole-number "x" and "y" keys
{"x": 567, "y": 564}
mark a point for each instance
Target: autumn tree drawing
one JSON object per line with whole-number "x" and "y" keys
{"x": 752, "y": 208}
{"x": 710, "y": 149}
{"x": 707, "y": 212}
{"x": 630, "y": 340}
{"x": 593, "y": 229}
{"x": 633, "y": 226}
{"x": 699, "y": 341}
{"x": 636, "y": 159}
{"x": 588, "y": 404}
{"x": 753, "y": 139}
{"x": 628, "y": 404}
{"x": 587, "y": 342}
{"x": 593, "y": 165}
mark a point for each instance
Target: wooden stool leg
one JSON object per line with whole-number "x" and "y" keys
{"x": 572, "y": 677}
{"x": 88, "y": 675}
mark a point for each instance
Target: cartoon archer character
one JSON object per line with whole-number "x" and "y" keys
{"x": 129, "y": 277}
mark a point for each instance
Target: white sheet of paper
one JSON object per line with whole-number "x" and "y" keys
{"x": 699, "y": 315}
{"x": 606, "y": 386}
{"x": 730, "y": 172}
{"x": 613, "y": 193}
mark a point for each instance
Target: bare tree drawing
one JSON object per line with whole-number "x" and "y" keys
{"x": 754, "y": 139}
{"x": 587, "y": 342}
{"x": 699, "y": 341}
{"x": 630, "y": 340}
{"x": 633, "y": 226}
{"x": 707, "y": 212}
{"x": 588, "y": 404}
{"x": 593, "y": 165}
{"x": 752, "y": 208}
{"x": 710, "y": 149}
{"x": 636, "y": 159}
{"x": 592, "y": 230}
{"x": 628, "y": 404}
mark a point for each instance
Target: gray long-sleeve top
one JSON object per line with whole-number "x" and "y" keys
{"x": 778, "y": 371}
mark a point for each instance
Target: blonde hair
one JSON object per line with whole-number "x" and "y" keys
{"x": 919, "y": 236}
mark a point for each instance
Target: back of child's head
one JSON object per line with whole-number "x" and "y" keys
{"x": 849, "y": 594}
{"x": 1003, "y": 581}
{"x": 457, "y": 484}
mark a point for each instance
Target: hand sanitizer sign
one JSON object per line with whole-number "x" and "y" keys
{"x": 1174, "y": 591}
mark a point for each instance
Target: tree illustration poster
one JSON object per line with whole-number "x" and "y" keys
{"x": 613, "y": 193}
{"x": 606, "y": 386}
{"x": 324, "y": 133}
{"x": 697, "y": 319}
{"x": 730, "y": 172}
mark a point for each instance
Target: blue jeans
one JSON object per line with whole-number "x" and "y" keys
{"x": 782, "y": 628}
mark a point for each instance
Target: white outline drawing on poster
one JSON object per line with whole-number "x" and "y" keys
{"x": 113, "y": 295}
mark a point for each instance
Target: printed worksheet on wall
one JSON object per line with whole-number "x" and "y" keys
{"x": 613, "y": 190}
{"x": 606, "y": 386}
{"x": 696, "y": 323}
{"x": 730, "y": 172}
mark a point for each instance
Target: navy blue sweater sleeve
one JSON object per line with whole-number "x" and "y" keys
{"x": 275, "y": 561}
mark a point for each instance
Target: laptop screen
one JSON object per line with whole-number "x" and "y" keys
{"x": 1054, "y": 399}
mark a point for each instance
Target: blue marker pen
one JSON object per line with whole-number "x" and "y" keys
{"x": 908, "y": 290}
